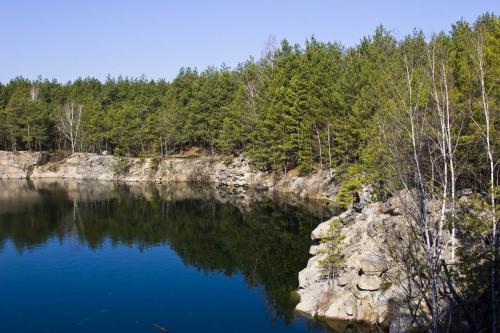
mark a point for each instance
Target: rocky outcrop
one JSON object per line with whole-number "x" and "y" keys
{"x": 236, "y": 176}
{"x": 363, "y": 292}
{"x": 77, "y": 166}
{"x": 18, "y": 164}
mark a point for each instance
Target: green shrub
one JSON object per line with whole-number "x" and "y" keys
{"x": 118, "y": 152}
{"x": 154, "y": 162}
{"x": 121, "y": 166}
{"x": 345, "y": 195}
{"x": 333, "y": 259}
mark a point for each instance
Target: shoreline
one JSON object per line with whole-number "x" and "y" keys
{"x": 237, "y": 176}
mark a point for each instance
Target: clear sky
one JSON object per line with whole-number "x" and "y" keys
{"x": 66, "y": 39}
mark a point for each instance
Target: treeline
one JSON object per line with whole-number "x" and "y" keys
{"x": 305, "y": 107}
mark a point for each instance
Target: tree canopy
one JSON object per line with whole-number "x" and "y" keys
{"x": 307, "y": 107}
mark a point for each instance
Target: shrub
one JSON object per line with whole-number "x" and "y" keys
{"x": 120, "y": 166}
{"x": 154, "y": 162}
{"x": 333, "y": 256}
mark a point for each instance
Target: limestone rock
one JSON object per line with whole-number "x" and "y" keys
{"x": 311, "y": 273}
{"x": 357, "y": 294}
{"x": 375, "y": 225}
{"x": 373, "y": 265}
{"x": 18, "y": 164}
{"x": 308, "y": 304}
{"x": 321, "y": 230}
{"x": 316, "y": 249}
{"x": 349, "y": 307}
{"x": 236, "y": 176}
{"x": 369, "y": 282}
{"x": 346, "y": 278}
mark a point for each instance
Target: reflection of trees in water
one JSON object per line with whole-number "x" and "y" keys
{"x": 73, "y": 224}
{"x": 267, "y": 241}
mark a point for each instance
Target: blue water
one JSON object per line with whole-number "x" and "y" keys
{"x": 114, "y": 260}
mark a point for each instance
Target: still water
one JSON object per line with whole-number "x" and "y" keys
{"x": 103, "y": 257}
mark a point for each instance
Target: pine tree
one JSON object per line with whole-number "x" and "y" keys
{"x": 332, "y": 256}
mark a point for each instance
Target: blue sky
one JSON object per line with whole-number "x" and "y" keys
{"x": 69, "y": 39}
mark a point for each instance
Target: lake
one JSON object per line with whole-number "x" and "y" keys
{"x": 78, "y": 256}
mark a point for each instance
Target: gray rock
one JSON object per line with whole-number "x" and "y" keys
{"x": 346, "y": 278}
{"x": 363, "y": 199}
{"x": 394, "y": 238}
{"x": 18, "y": 164}
{"x": 373, "y": 265}
{"x": 369, "y": 282}
{"x": 349, "y": 307}
{"x": 387, "y": 208}
{"x": 370, "y": 229}
{"x": 348, "y": 218}
{"x": 464, "y": 193}
{"x": 365, "y": 196}
{"x": 240, "y": 182}
{"x": 321, "y": 230}
{"x": 357, "y": 207}
{"x": 375, "y": 225}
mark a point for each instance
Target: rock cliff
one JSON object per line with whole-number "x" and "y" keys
{"x": 364, "y": 291}
{"x": 236, "y": 175}
{"x": 17, "y": 165}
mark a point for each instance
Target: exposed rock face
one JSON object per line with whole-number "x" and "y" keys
{"x": 363, "y": 291}
{"x": 18, "y": 164}
{"x": 373, "y": 286}
{"x": 235, "y": 177}
{"x": 369, "y": 282}
{"x": 372, "y": 265}
{"x": 78, "y": 166}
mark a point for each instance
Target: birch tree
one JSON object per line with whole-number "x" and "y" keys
{"x": 479, "y": 60}
{"x": 69, "y": 123}
{"x": 405, "y": 131}
{"x": 445, "y": 143}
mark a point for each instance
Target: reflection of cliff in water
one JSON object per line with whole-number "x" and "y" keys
{"x": 266, "y": 239}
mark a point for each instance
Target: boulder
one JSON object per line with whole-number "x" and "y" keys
{"x": 393, "y": 239}
{"x": 316, "y": 249}
{"x": 310, "y": 274}
{"x": 369, "y": 282}
{"x": 321, "y": 230}
{"x": 387, "y": 208}
{"x": 394, "y": 204}
{"x": 358, "y": 207}
{"x": 372, "y": 265}
{"x": 346, "y": 278}
{"x": 363, "y": 199}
